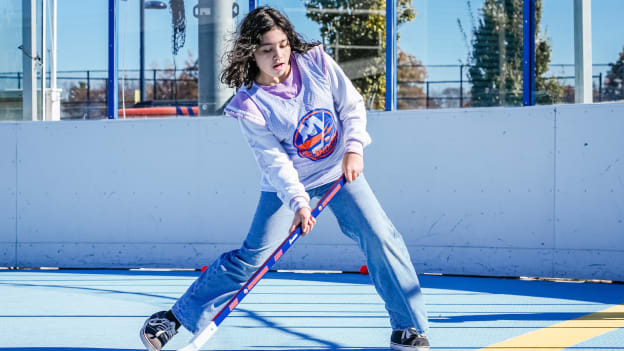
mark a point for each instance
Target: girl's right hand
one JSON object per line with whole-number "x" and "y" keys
{"x": 303, "y": 218}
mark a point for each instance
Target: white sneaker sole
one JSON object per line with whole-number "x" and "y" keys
{"x": 399, "y": 347}
{"x": 143, "y": 337}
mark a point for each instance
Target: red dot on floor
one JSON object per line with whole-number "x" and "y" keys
{"x": 204, "y": 268}
{"x": 364, "y": 269}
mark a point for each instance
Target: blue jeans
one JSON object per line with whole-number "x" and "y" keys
{"x": 360, "y": 217}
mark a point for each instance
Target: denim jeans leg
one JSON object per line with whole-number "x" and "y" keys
{"x": 228, "y": 273}
{"x": 362, "y": 218}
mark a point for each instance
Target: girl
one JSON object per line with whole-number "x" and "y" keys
{"x": 306, "y": 125}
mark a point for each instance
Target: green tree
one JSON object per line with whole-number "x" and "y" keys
{"x": 354, "y": 34}
{"x": 614, "y": 86}
{"x": 495, "y": 61}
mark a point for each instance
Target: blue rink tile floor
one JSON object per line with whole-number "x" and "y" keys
{"x": 104, "y": 310}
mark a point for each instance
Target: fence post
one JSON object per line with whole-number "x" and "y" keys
{"x": 172, "y": 96}
{"x": 600, "y": 87}
{"x": 528, "y": 53}
{"x": 19, "y": 80}
{"x": 427, "y": 95}
{"x": 461, "y": 85}
{"x": 391, "y": 55}
{"x": 113, "y": 60}
{"x": 89, "y": 92}
{"x": 107, "y": 93}
{"x": 175, "y": 85}
{"x": 253, "y": 4}
{"x": 154, "y": 86}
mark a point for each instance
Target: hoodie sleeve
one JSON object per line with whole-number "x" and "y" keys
{"x": 269, "y": 153}
{"x": 275, "y": 164}
{"x": 348, "y": 103}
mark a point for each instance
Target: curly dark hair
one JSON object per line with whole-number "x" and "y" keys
{"x": 240, "y": 66}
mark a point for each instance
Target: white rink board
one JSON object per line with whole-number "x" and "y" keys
{"x": 590, "y": 178}
{"x": 8, "y": 193}
{"x": 488, "y": 191}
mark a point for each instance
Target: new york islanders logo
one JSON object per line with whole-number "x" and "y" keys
{"x": 316, "y": 135}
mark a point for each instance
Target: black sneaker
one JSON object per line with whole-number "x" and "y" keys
{"x": 408, "y": 340}
{"x": 157, "y": 331}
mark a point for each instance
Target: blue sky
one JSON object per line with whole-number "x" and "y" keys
{"x": 433, "y": 37}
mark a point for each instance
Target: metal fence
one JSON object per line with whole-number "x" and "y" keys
{"x": 84, "y": 92}
{"x": 437, "y": 94}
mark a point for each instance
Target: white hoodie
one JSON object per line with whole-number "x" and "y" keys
{"x": 276, "y": 121}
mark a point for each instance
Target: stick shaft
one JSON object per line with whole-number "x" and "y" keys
{"x": 202, "y": 336}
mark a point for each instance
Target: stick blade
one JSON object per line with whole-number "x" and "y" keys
{"x": 200, "y": 338}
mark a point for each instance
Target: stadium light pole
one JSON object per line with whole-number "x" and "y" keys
{"x": 154, "y": 5}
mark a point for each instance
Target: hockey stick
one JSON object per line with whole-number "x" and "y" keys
{"x": 203, "y": 335}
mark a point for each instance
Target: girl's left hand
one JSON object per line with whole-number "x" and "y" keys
{"x": 303, "y": 218}
{"x": 352, "y": 166}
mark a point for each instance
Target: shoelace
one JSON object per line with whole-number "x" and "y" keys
{"x": 163, "y": 326}
{"x": 409, "y": 332}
